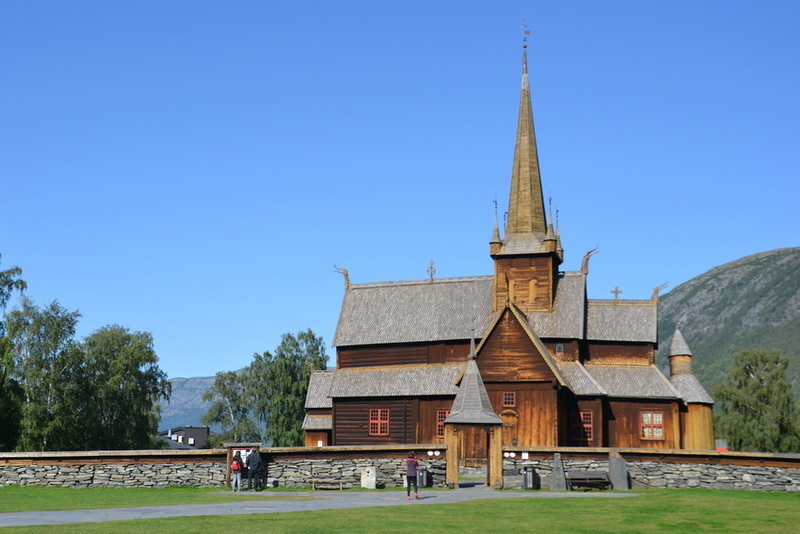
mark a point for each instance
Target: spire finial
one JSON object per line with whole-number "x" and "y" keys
{"x": 431, "y": 270}
{"x": 525, "y": 34}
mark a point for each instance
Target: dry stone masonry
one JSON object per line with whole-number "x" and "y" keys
{"x": 115, "y": 475}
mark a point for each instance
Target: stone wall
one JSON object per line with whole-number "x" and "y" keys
{"x": 115, "y": 475}
{"x": 302, "y": 466}
{"x": 203, "y": 469}
{"x": 758, "y": 478}
{"x": 664, "y": 475}
{"x": 389, "y": 472}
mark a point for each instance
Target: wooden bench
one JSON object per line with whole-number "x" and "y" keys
{"x": 588, "y": 480}
{"x": 326, "y": 483}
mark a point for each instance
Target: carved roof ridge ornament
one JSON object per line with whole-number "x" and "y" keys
{"x": 346, "y": 276}
{"x": 585, "y": 262}
{"x": 657, "y": 290}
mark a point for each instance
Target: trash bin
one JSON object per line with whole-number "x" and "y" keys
{"x": 422, "y": 477}
{"x": 529, "y": 478}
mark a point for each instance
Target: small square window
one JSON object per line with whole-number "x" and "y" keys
{"x": 653, "y": 425}
{"x": 583, "y": 426}
{"x": 509, "y": 398}
{"x": 379, "y": 422}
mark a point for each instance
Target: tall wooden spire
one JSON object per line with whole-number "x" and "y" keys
{"x": 526, "y": 260}
{"x": 527, "y": 220}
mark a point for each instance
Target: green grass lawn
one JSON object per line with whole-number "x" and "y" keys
{"x": 29, "y": 498}
{"x": 655, "y": 511}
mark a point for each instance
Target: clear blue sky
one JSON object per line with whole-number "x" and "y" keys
{"x": 195, "y": 169}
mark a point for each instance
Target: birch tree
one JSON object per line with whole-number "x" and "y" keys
{"x": 756, "y": 410}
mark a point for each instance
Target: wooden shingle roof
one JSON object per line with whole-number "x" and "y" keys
{"x": 451, "y": 308}
{"x": 415, "y": 311}
{"x": 318, "y": 422}
{"x": 318, "y": 386}
{"x": 472, "y": 404}
{"x": 567, "y": 318}
{"x": 632, "y": 381}
{"x": 690, "y": 389}
{"x": 579, "y": 381}
{"x": 397, "y": 380}
{"x": 622, "y": 320}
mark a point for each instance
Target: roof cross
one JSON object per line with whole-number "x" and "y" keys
{"x": 616, "y": 292}
{"x": 431, "y": 270}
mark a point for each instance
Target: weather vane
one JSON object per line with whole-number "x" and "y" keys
{"x": 525, "y": 33}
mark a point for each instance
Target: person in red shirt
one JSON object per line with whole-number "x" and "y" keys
{"x": 411, "y": 465}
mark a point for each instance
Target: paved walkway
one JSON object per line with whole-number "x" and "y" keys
{"x": 325, "y": 500}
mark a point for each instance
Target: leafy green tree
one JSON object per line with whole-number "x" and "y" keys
{"x": 10, "y": 389}
{"x": 755, "y": 407}
{"x": 229, "y": 409}
{"x": 42, "y": 340}
{"x": 118, "y": 390}
{"x": 10, "y": 399}
{"x": 278, "y": 384}
{"x": 10, "y": 281}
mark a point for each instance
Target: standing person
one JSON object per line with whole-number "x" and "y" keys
{"x": 236, "y": 470}
{"x": 253, "y": 466}
{"x": 411, "y": 465}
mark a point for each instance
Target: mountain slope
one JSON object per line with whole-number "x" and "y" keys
{"x": 753, "y": 302}
{"x": 186, "y": 404}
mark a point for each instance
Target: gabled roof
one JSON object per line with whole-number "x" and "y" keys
{"x": 318, "y": 386}
{"x": 622, "y": 320}
{"x": 567, "y": 319}
{"x": 397, "y": 380}
{"x": 472, "y": 404}
{"x": 414, "y": 311}
{"x": 537, "y": 342}
{"x": 632, "y": 381}
{"x": 451, "y": 308}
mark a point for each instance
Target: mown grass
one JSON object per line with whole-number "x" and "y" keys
{"x": 655, "y": 511}
{"x": 25, "y": 499}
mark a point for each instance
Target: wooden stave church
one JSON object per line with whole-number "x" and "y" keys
{"x": 554, "y": 368}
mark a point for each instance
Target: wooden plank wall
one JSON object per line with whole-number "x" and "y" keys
{"x": 619, "y": 353}
{"x": 624, "y": 428}
{"x": 532, "y": 280}
{"x": 402, "y": 354}
{"x": 508, "y": 355}
{"x": 351, "y": 421}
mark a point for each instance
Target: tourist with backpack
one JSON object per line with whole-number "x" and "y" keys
{"x": 236, "y": 470}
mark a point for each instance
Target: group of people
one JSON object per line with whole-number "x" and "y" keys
{"x": 253, "y": 465}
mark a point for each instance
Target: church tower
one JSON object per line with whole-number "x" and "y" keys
{"x": 527, "y": 259}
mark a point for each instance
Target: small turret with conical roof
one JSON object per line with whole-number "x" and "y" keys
{"x": 680, "y": 357}
{"x": 697, "y": 417}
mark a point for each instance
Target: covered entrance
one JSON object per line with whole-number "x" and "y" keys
{"x": 461, "y": 457}
{"x": 472, "y": 428}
